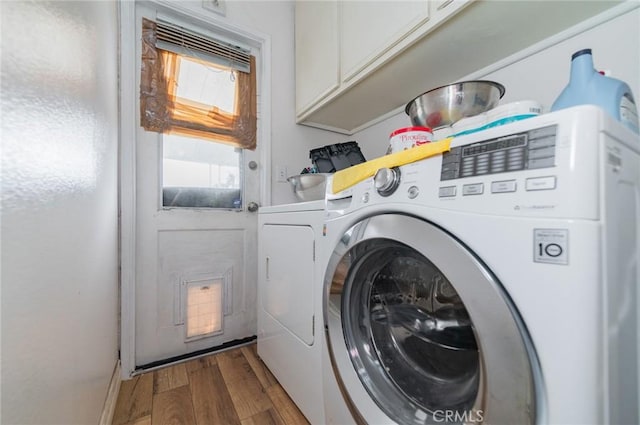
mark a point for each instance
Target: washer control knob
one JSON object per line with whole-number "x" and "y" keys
{"x": 387, "y": 180}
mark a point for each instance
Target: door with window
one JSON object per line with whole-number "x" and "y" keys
{"x": 195, "y": 205}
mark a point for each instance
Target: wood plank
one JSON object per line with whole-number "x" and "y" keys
{"x": 146, "y": 420}
{"x": 287, "y": 409}
{"x": 262, "y": 373}
{"x": 254, "y": 348}
{"x": 200, "y": 363}
{"x": 233, "y": 387}
{"x": 196, "y": 364}
{"x": 173, "y": 407}
{"x": 134, "y": 399}
{"x": 212, "y": 359}
{"x": 268, "y": 417}
{"x": 169, "y": 378}
{"x": 234, "y": 366}
{"x": 247, "y": 394}
{"x": 212, "y": 403}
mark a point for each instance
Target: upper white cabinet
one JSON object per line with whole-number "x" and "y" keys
{"x": 316, "y": 32}
{"x": 370, "y": 28}
{"x": 357, "y": 61}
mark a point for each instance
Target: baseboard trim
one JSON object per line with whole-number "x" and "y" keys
{"x": 112, "y": 397}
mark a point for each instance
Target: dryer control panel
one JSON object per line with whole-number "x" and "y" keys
{"x": 524, "y": 151}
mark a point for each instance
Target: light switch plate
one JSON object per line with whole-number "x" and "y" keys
{"x": 281, "y": 173}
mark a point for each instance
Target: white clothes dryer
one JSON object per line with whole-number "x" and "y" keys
{"x": 290, "y": 332}
{"x": 497, "y": 283}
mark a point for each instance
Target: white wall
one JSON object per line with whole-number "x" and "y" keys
{"x": 59, "y": 210}
{"x": 290, "y": 143}
{"x": 542, "y": 76}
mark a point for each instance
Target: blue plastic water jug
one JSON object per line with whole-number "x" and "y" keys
{"x": 588, "y": 86}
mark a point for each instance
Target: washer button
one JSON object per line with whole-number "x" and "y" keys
{"x": 447, "y": 191}
{"x": 413, "y": 192}
{"x": 541, "y": 183}
{"x": 503, "y": 186}
{"x": 365, "y": 197}
{"x": 473, "y": 189}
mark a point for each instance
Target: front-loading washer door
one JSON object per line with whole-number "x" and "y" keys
{"x": 419, "y": 331}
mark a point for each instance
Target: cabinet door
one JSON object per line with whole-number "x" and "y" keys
{"x": 287, "y": 292}
{"x": 370, "y": 28}
{"x": 316, "y": 49}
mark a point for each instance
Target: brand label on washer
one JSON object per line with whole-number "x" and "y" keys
{"x": 551, "y": 246}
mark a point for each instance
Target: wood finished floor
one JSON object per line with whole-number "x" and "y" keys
{"x": 233, "y": 387}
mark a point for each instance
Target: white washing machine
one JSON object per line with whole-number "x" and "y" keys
{"x": 497, "y": 283}
{"x": 290, "y": 330}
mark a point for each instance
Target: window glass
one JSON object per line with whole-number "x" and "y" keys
{"x": 200, "y": 174}
{"x": 206, "y": 83}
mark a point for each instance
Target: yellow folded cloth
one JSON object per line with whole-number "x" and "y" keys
{"x": 349, "y": 176}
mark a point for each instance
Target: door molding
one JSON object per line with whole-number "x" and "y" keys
{"x": 129, "y": 120}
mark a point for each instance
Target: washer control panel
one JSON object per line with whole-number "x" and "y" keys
{"x": 524, "y": 151}
{"x": 544, "y": 166}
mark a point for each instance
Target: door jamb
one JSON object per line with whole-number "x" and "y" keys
{"x": 127, "y": 139}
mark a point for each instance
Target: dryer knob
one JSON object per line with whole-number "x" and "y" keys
{"x": 387, "y": 180}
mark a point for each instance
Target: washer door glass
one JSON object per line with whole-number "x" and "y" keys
{"x": 418, "y": 325}
{"x": 421, "y": 334}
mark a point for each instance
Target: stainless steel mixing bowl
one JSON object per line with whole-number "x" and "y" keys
{"x": 309, "y": 187}
{"x": 443, "y": 106}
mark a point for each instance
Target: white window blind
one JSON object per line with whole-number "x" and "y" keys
{"x": 177, "y": 39}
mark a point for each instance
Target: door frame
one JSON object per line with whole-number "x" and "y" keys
{"x": 129, "y": 119}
